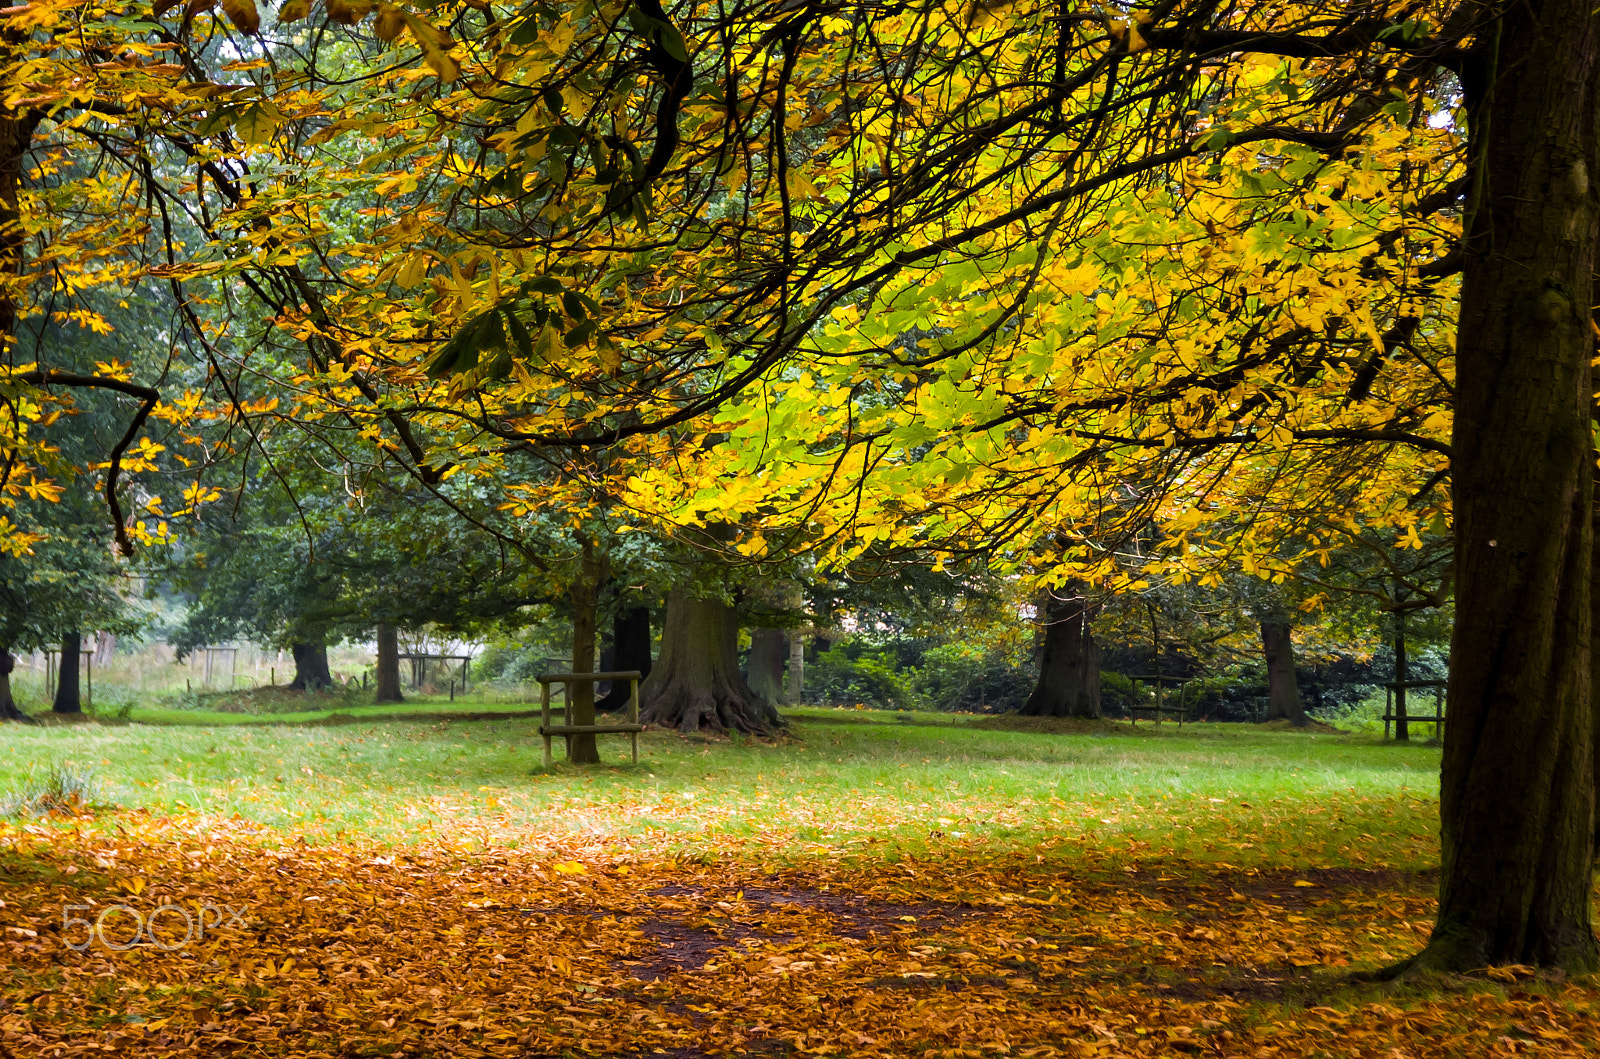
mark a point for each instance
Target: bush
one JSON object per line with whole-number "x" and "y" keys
{"x": 834, "y": 678}
{"x": 972, "y": 678}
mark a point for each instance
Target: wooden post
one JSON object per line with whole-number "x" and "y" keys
{"x": 88, "y": 684}
{"x": 452, "y": 689}
{"x": 544, "y": 725}
{"x": 633, "y": 714}
{"x": 272, "y": 677}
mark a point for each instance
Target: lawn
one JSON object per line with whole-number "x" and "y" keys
{"x": 876, "y": 883}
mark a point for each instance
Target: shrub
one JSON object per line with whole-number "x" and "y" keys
{"x": 974, "y": 678}
{"x": 61, "y": 791}
{"x": 834, "y": 678}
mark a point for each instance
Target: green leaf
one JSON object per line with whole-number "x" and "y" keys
{"x": 519, "y": 334}
{"x": 256, "y": 124}
{"x": 579, "y": 335}
{"x": 672, "y": 43}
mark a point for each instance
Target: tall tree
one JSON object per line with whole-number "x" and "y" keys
{"x": 1283, "y": 685}
{"x": 1069, "y": 659}
{"x": 696, "y": 683}
{"x": 69, "y": 695}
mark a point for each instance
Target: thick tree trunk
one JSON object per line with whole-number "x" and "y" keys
{"x": 310, "y": 667}
{"x": 69, "y": 697}
{"x": 767, "y": 650}
{"x": 696, "y": 682}
{"x": 8, "y": 706}
{"x": 386, "y": 675}
{"x": 1517, "y": 785}
{"x": 630, "y": 649}
{"x": 1283, "y": 688}
{"x": 583, "y": 749}
{"x": 1069, "y": 662}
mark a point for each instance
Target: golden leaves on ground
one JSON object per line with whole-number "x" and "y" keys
{"x": 433, "y": 950}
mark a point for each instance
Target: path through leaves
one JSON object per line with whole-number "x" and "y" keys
{"x": 342, "y": 950}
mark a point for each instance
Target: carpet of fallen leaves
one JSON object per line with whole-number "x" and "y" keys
{"x": 457, "y": 950}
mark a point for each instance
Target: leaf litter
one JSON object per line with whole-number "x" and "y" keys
{"x": 606, "y": 949}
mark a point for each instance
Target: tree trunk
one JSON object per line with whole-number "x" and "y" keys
{"x": 1283, "y": 688}
{"x": 696, "y": 682}
{"x": 1069, "y": 662}
{"x": 1517, "y": 784}
{"x": 797, "y": 669}
{"x": 310, "y": 667}
{"x": 8, "y": 706}
{"x": 583, "y": 749}
{"x": 630, "y": 649}
{"x": 386, "y": 678}
{"x": 767, "y": 650}
{"x": 68, "y": 697}
{"x": 1402, "y": 676}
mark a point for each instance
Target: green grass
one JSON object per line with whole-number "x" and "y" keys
{"x": 847, "y": 783}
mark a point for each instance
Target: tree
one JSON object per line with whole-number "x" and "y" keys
{"x": 68, "y": 698}
{"x": 630, "y": 650}
{"x": 1283, "y": 687}
{"x": 696, "y": 683}
{"x": 1069, "y": 660}
{"x": 387, "y": 670}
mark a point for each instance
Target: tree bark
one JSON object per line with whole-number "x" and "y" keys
{"x": 69, "y": 698}
{"x": 630, "y": 649}
{"x": 797, "y": 669}
{"x": 1402, "y": 676}
{"x": 696, "y": 682}
{"x": 311, "y": 671}
{"x": 8, "y": 706}
{"x": 1283, "y": 688}
{"x": 583, "y": 749}
{"x": 767, "y": 650}
{"x": 386, "y": 677}
{"x": 1517, "y": 784}
{"x": 1069, "y": 662}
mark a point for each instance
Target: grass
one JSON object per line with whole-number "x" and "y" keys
{"x": 845, "y": 784}
{"x": 884, "y": 884}
{"x": 61, "y": 790}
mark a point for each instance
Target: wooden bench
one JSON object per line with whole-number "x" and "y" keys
{"x": 1436, "y": 718}
{"x": 1158, "y": 707}
{"x": 567, "y": 728}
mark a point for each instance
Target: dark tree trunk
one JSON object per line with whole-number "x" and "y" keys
{"x": 768, "y": 649}
{"x": 69, "y": 699}
{"x": 310, "y": 667}
{"x": 1069, "y": 662}
{"x": 1402, "y": 677}
{"x": 1517, "y": 785}
{"x": 583, "y": 749}
{"x": 8, "y": 706}
{"x": 696, "y": 682}
{"x": 386, "y": 675}
{"x": 1283, "y": 688}
{"x": 630, "y": 649}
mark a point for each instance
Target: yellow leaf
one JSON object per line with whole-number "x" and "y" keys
{"x": 293, "y": 11}
{"x": 389, "y": 23}
{"x": 571, "y": 868}
{"x": 243, "y": 14}
{"x": 348, "y": 12}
